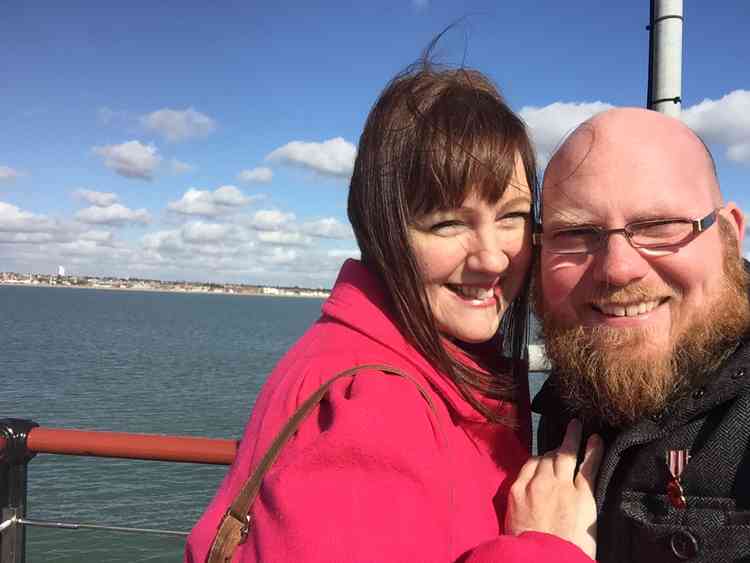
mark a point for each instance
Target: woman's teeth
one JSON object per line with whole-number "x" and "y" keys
{"x": 472, "y": 292}
{"x": 628, "y": 310}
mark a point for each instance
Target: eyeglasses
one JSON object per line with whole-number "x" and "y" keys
{"x": 649, "y": 236}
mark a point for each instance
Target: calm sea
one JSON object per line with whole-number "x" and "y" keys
{"x": 161, "y": 363}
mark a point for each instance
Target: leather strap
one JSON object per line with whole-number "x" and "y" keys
{"x": 235, "y": 525}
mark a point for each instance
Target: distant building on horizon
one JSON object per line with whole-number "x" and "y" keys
{"x": 61, "y": 271}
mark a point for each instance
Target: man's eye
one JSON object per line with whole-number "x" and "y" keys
{"x": 575, "y": 234}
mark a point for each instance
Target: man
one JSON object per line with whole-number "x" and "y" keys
{"x": 643, "y": 297}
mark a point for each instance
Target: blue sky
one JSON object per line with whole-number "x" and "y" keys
{"x": 213, "y": 141}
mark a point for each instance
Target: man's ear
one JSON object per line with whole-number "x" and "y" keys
{"x": 736, "y": 219}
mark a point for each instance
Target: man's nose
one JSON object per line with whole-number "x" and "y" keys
{"x": 618, "y": 263}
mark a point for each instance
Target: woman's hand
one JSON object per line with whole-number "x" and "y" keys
{"x": 548, "y": 497}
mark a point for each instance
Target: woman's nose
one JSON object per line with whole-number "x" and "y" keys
{"x": 488, "y": 259}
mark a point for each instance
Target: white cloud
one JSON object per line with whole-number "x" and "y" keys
{"x": 284, "y": 238}
{"x": 260, "y": 175}
{"x": 270, "y": 220}
{"x": 101, "y": 237}
{"x": 200, "y": 232}
{"x": 278, "y": 256}
{"x": 12, "y": 219}
{"x": 268, "y": 246}
{"x": 328, "y": 227}
{"x": 26, "y": 238}
{"x": 334, "y": 157}
{"x": 550, "y": 124}
{"x": 114, "y": 214}
{"x": 100, "y": 199}
{"x": 8, "y": 174}
{"x": 230, "y": 196}
{"x": 131, "y": 159}
{"x": 179, "y": 125}
{"x": 725, "y": 121}
{"x": 210, "y": 203}
{"x": 198, "y": 245}
{"x": 739, "y": 153}
{"x": 84, "y": 248}
{"x": 179, "y": 167}
{"x": 170, "y": 241}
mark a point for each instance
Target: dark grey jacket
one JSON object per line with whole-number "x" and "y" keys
{"x": 637, "y": 523}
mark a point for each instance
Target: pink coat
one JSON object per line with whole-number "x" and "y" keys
{"x": 374, "y": 474}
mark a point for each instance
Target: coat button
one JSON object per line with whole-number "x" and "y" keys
{"x": 684, "y": 545}
{"x": 698, "y": 393}
{"x": 739, "y": 373}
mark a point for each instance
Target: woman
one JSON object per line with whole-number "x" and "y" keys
{"x": 440, "y": 203}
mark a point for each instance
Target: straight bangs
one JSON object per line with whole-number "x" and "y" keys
{"x": 465, "y": 143}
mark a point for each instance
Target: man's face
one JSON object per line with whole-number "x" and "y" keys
{"x": 638, "y": 305}
{"x": 659, "y": 294}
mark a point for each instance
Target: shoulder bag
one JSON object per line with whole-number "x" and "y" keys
{"x": 236, "y": 523}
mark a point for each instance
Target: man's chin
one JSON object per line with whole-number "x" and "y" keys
{"x": 632, "y": 344}
{"x": 616, "y": 376}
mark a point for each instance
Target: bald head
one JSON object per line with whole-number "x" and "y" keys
{"x": 634, "y": 138}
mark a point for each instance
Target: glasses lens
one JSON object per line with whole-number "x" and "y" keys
{"x": 660, "y": 233}
{"x": 573, "y": 241}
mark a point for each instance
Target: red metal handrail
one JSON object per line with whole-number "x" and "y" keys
{"x": 130, "y": 446}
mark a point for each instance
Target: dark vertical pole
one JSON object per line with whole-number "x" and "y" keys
{"x": 650, "y": 93}
{"x": 14, "y": 460}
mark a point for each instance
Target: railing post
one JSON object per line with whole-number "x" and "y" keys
{"x": 14, "y": 459}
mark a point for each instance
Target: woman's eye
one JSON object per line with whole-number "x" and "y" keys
{"x": 445, "y": 227}
{"x": 515, "y": 218}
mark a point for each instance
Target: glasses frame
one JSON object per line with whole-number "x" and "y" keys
{"x": 698, "y": 225}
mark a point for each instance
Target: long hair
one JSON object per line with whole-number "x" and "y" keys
{"x": 433, "y": 137}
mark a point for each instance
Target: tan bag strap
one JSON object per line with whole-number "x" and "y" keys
{"x": 235, "y": 525}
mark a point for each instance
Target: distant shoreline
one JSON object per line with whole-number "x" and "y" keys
{"x": 163, "y": 290}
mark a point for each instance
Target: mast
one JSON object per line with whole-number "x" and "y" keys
{"x": 665, "y": 57}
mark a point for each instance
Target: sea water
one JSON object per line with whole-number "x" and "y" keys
{"x": 145, "y": 362}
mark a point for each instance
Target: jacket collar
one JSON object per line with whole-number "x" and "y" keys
{"x": 359, "y": 300}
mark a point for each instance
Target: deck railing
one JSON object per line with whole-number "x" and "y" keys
{"x": 21, "y": 440}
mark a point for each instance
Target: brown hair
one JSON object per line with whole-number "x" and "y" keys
{"x": 434, "y": 136}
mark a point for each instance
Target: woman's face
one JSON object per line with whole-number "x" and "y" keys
{"x": 473, "y": 260}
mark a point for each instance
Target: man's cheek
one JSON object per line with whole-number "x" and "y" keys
{"x": 557, "y": 292}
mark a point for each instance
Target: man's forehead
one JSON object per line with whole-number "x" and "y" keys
{"x": 599, "y": 204}
{"x": 614, "y": 165}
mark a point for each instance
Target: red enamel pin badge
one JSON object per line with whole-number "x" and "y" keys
{"x": 677, "y": 460}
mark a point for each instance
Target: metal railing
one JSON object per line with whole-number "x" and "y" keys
{"x": 21, "y": 440}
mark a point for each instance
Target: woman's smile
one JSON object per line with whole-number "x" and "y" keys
{"x": 476, "y": 295}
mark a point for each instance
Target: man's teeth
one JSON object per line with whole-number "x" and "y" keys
{"x": 470, "y": 292}
{"x": 628, "y": 310}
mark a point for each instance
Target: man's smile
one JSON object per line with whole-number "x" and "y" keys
{"x": 631, "y": 309}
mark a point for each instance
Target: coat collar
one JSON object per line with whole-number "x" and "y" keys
{"x": 358, "y": 300}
